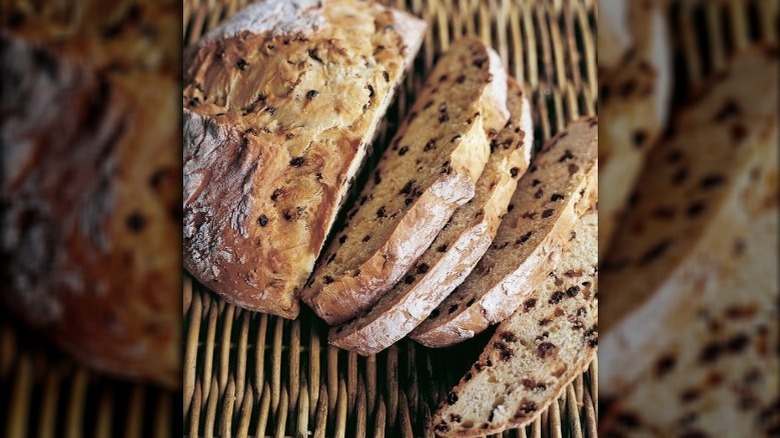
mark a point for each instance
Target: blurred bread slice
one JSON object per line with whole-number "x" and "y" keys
{"x": 694, "y": 200}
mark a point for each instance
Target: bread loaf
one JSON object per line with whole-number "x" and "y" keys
{"x": 634, "y": 97}
{"x": 281, "y": 103}
{"x": 429, "y": 170}
{"x": 91, "y": 184}
{"x": 549, "y": 198}
{"x": 535, "y": 352}
{"x": 458, "y": 246}
{"x": 679, "y": 238}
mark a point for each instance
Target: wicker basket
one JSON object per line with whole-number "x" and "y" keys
{"x": 254, "y": 375}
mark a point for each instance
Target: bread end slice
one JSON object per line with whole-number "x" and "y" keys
{"x": 536, "y": 352}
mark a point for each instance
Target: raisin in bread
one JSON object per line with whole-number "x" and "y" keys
{"x": 534, "y": 353}
{"x": 549, "y": 198}
{"x": 635, "y": 99}
{"x": 678, "y": 238}
{"x": 91, "y": 183}
{"x": 280, "y": 104}
{"x": 429, "y": 170}
{"x": 457, "y": 248}
{"x": 722, "y": 375}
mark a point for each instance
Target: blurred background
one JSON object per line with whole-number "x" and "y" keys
{"x": 688, "y": 224}
{"x": 90, "y": 333}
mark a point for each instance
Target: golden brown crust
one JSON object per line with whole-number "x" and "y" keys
{"x": 279, "y": 111}
{"x": 91, "y": 195}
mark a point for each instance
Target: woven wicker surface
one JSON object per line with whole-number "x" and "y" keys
{"x": 254, "y": 374}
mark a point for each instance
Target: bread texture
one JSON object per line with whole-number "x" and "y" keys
{"x": 634, "y": 97}
{"x": 535, "y": 352}
{"x": 91, "y": 189}
{"x": 720, "y": 377}
{"x": 680, "y": 235}
{"x": 429, "y": 170}
{"x": 549, "y": 199}
{"x": 281, "y": 103}
{"x": 457, "y": 248}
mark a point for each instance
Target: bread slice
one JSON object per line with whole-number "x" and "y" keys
{"x": 678, "y": 239}
{"x": 722, "y": 375}
{"x": 534, "y": 353}
{"x": 429, "y": 170}
{"x": 548, "y": 200}
{"x": 634, "y": 97}
{"x": 281, "y": 103}
{"x": 457, "y": 248}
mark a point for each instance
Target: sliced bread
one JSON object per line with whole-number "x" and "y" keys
{"x": 534, "y": 353}
{"x": 457, "y": 248}
{"x": 550, "y": 197}
{"x": 721, "y": 376}
{"x": 428, "y": 171}
{"x": 679, "y": 238}
{"x": 634, "y": 97}
{"x": 281, "y": 103}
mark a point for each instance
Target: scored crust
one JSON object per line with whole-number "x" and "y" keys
{"x": 535, "y": 352}
{"x": 458, "y": 246}
{"x": 679, "y": 236}
{"x": 634, "y": 97}
{"x": 549, "y": 198}
{"x": 427, "y": 172}
{"x": 280, "y": 104}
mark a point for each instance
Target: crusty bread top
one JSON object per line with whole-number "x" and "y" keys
{"x": 545, "y": 206}
{"x": 678, "y": 238}
{"x": 458, "y": 246}
{"x": 720, "y": 377}
{"x": 535, "y": 352}
{"x": 429, "y": 169}
{"x": 277, "y": 123}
